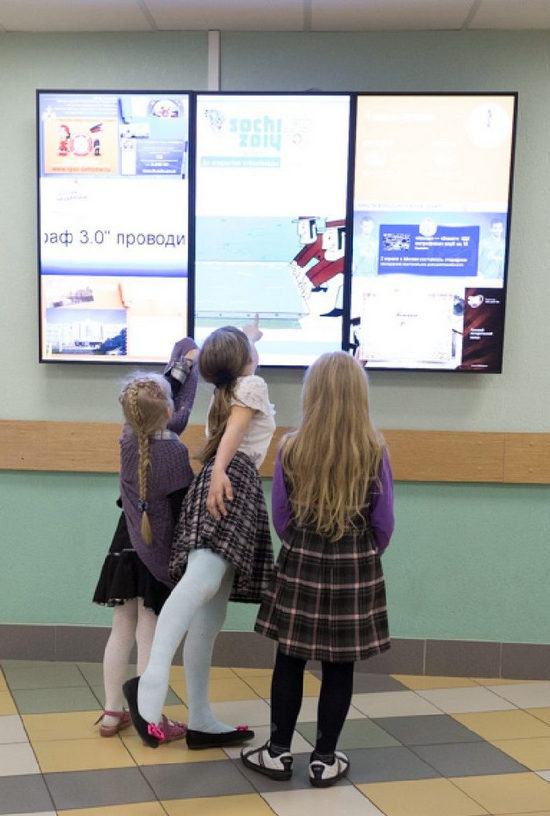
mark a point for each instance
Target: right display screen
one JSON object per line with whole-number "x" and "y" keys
{"x": 431, "y": 217}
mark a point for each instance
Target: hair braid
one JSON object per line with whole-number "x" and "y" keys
{"x": 144, "y": 403}
{"x": 143, "y": 465}
{"x": 144, "y": 460}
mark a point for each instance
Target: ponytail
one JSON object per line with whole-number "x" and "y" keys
{"x": 223, "y": 358}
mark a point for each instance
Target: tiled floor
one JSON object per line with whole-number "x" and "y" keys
{"x": 419, "y": 746}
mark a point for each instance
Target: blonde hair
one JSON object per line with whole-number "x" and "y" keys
{"x": 332, "y": 460}
{"x": 223, "y": 357}
{"x": 146, "y": 401}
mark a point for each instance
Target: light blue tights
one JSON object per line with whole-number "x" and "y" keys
{"x": 196, "y": 607}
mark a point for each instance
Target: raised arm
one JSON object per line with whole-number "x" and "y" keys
{"x": 254, "y": 333}
{"x": 182, "y": 374}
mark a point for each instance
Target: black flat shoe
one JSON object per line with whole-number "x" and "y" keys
{"x": 197, "y": 740}
{"x": 145, "y": 730}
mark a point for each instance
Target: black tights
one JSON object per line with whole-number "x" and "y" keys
{"x": 286, "y": 700}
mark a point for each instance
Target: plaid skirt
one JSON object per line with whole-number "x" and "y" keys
{"x": 327, "y": 600}
{"x": 242, "y": 536}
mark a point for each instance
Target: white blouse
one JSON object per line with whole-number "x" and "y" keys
{"x": 251, "y": 392}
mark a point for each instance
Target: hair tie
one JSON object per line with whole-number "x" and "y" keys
{"x": 223, "y": 379}
{"x": 142, "y": 505}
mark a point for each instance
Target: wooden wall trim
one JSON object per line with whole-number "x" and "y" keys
{"x": 417, "y": 456}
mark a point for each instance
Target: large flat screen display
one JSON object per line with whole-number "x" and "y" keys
{"x": 374, "y": 222}
{"x": 113, "y": 224}
{"x": 431, "y": 218}
{"x": 270, "y": 207}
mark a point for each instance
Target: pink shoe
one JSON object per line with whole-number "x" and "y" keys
{"x": 112, "y": 730}
{"x": 169, "y": 730}
{"x": 173, "y": 730}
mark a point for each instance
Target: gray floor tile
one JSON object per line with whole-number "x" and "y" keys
{"x": 196, "y": 779}
{"x": 44, "y": 701}
{"x": 24, "y": 794}
{"x": 376, "y": 682}
{"x": 428, "y": 730}
{"x": 172, "y": 698}
{"x": 48, "y": 675}
{"x": 355, "y": 734}
{"x": 93, "y": 673}
{"x": 468, "y": 759}
{"x": 87, "y": 789}
{"x": 387, "y": 765}
{"x": 365, "y": 682}
{"x": 98, "y": 690}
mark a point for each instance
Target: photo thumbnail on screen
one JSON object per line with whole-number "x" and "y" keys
{"x": 113, "y": 224}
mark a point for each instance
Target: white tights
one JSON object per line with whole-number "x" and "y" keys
{"x": 132, "y": 621}
{"x": 197, "y": 606}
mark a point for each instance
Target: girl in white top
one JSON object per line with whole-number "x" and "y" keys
{"x": 222, "y": 544}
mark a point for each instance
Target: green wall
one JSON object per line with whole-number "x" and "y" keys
{"x": 467, "y": 561}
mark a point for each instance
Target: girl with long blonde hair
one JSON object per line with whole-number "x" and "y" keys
{"x": 332, "y": 500}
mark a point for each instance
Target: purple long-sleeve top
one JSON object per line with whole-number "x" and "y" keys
{"x": 381, "y": 516}
{"x": 170, "y": 469}
{"x": 183, "y": 378}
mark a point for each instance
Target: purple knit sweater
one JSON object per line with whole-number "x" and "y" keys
{"x": 381, "y": 516}
{"x": 170, "y": 469}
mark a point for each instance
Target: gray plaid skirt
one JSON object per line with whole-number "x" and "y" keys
{"x": 242, "y": 536}
{"x": 326, "y": 600}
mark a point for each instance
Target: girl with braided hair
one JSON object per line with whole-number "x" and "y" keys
{"x": 222, "y": 545}
{"x": 154, "y": 476}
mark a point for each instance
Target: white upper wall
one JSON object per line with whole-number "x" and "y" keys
{"x": 516, "y": 400}
{"x": 272, "y": 15}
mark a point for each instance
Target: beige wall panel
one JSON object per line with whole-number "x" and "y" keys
{"x": 417, "y": 456}
{"x": 527, "y": 458}
{"x": 89, "y": 447}
{"x": 446, "y": 456}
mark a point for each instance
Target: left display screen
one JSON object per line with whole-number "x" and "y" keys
{"x": 113, "y": 215}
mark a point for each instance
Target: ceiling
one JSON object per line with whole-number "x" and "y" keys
{"x": 272, "y": 15}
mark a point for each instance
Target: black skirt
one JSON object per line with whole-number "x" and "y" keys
{"x": 124, "y": 577}
{"x": 242, "y": 536}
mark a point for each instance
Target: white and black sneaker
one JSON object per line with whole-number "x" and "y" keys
{"x": 276, "y": 767}
{"x": 324, "y": 774}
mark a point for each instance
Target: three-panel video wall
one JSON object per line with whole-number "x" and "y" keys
{"x": 375, "y": 223}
